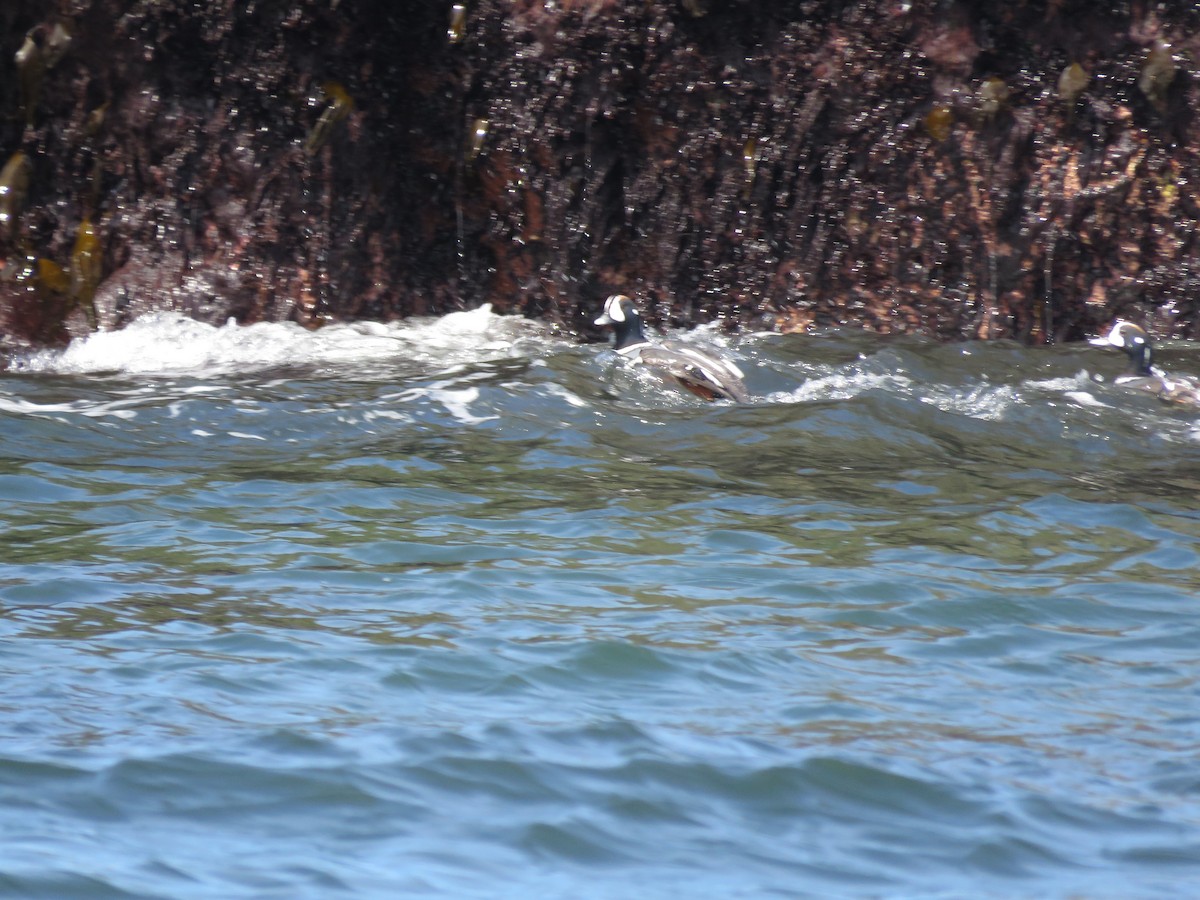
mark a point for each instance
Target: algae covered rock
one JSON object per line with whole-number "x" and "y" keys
{"x": 954, "y": 168}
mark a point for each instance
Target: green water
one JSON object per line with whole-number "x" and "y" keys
{"x": 468, "y": 611}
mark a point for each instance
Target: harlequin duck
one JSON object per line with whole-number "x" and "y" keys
{"x": 1143, "y": 374}
{"x": 701, "y": 373}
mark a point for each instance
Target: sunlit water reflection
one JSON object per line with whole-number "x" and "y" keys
{"x": 455, "y": 607}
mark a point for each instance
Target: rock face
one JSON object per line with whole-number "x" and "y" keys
{"x": 966, "y": 169}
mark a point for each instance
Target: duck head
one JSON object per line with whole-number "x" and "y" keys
{"x": 1134, "y": 342}
{"x": 622, "y": 315}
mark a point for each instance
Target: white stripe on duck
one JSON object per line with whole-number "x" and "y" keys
{"x": 704, "y": 374}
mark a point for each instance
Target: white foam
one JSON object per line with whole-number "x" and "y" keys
{"x": 118, "y": 409}
{"x": 1081, "y": 380}
{"x": 1083, "y": 398}
{"x": 842, "y": 386}
{"x": 557, "y": 390}
{"x": 168, "y": 344}
{"x": 988, "y": 402}
{"x": 458, "y": 402}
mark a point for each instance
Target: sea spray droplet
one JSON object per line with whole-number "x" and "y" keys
{"x": 479, "y": 131}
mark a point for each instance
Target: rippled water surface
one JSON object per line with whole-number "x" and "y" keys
{"x": 456, "y": 608}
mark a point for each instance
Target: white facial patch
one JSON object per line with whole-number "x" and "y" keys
{"x": 1112, "y": 339}
{"x": 612, "y": 311}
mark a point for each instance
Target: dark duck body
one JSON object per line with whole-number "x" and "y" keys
{"x": 1143, "y": 375}
{"x": 704, "y": 374}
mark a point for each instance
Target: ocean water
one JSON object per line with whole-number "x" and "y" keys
{"x": 456, "y": 608}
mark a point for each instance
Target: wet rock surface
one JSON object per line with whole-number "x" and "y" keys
{"x": 1016, "y": 170}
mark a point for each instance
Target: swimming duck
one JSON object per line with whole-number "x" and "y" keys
{"x": 701, "y": 373}
{"x": 1143, "y": 374}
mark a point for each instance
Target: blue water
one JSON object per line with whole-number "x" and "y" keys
{"x": 461, "y": 609}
